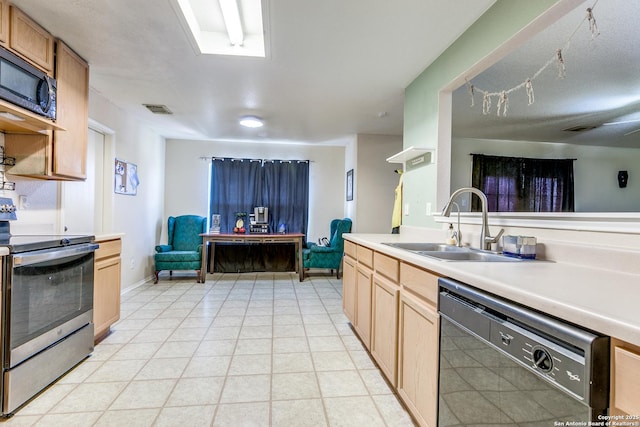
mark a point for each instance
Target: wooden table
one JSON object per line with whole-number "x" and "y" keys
{"x": 261, "y": 239}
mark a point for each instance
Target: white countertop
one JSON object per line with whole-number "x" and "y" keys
{"x": 605, "y": 301}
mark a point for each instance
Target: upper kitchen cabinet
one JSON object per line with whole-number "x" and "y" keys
{"x": 60, "y": 155}
{"x": 4, "y": 23}
{"x": 31, "y": 41}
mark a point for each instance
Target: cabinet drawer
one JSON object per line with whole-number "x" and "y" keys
{"x": 421, "y": 282}
{"x": 365, "y": 256}
{"x": 350, "y": 249}
{"x": 387, "y": 266}
{"x": 108, "y": 248}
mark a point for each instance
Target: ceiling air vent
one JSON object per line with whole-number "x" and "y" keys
{"x": 580, "y": 128}
{"x": 158, "y": 109}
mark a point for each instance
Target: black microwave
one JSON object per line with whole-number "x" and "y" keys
{"x": 26, "y": 86}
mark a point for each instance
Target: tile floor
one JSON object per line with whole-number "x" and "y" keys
{"x": 257, "y": 349}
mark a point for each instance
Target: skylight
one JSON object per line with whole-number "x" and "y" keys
{"x": 209, "y": 33}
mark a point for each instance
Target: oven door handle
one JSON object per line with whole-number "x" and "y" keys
{"x": 35, "y": 257}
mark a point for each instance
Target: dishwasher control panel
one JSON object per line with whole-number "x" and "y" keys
{"x": 551, "y": 360}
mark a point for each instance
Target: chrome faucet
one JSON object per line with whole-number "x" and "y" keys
{"x": 485, "y": 235}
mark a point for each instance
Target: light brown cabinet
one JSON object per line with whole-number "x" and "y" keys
{"x": 625, "y": 379}
{"x": 418, "y": 344}
{"x": 4, "y": 22}
{"x": 107, "y": 283}
{"x": 349, "y": 287}
{"x": 364, "y": 281}
{"x": 60, "y": 155}
{"x": 384, "y": 325}
{"x": 30, "y": 40}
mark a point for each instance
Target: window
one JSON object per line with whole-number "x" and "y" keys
{"x": 517, "y": 184}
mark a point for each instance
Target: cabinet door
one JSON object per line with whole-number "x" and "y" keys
{"x": 418, "y": 358}
{"x": 30, "y": 40}
{"x": 364, "y": 278}
{"x": 106, "y": 294}
{"x": 4, "y": 22}
{"x": 349, "y": 288}
{"x": 384, "y": 325}
{"x": 70, "y": 146}
{"x": 625, "y": 379}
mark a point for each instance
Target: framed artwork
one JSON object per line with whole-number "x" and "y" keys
{"x": 125, "y": 178}
{"x": 350, "y": 185}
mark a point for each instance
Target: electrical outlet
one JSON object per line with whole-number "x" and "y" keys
{"x": 132, "y": 264}
{"x": 428, "y": 210}
{"x": 406, "y": 209}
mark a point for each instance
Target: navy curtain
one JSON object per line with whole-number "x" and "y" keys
{"x": 517, "y": 184}
{"x": 239, "y": 185}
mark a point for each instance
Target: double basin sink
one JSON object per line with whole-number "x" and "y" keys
{"x": 445, "y": 252}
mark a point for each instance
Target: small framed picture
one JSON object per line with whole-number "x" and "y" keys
{"x": 350, "y": 185}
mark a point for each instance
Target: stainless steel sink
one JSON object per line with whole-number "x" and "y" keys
{"x": 426, "y": 247}
{"x": 469, "y": 255}
{"x": 445, "y": 252}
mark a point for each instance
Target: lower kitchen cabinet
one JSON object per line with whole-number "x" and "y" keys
{"x": 418, "y": 357}
{"x": 364, "y": 279}
{"x": 625, "y": 379}
{"x": 384, "y": 325}
{"x": 106, "y": 289}
{"x": 349, "y": 288}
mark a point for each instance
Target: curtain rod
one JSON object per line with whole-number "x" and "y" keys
{"x": 204, "y": 158}
{"x": 519, "y": 157}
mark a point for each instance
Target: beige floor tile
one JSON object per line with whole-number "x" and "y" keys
{"x": 159, "y": 335}
{"x": 341, "y": 383}
{"x": 144, "y": 394}
{"x": 248, "y": 332}
{"x": 116, "y": 370}
{"x": 353, "y": 411}
{"x": 250, "y": 388}
{"x": 333, "y": 343}
{"x": 128, "y": 417}
{"x": 208, "y": 366}
{"x": 392, "y": 411}
{"x": 287, "y": 319}
{"x": 299, "y": 385}
{"x": 320, "y": 330}
{"x": 254, "y": 346}
{"x": 188, "y": 334}
{"x": 136, "y": 351}
{"x": 222, "y": 321}
{"x": 287, "y": 331}
{"x": 47, "y": 399}
{"x": 215, "y": 348}
{"x": 250, "y": 364}
{"x": 299, "y": 413}
{"x": 375, "y": 382}
{"x": 89, "y": 397}
{"x": 243, "y": 414}
{"x": 222, "y": 333}
{"x": 361, "y": 359}
{"x": 166, "y": 323}
{"x": 186, "y": 416}
{"x": 196, "y": 391}
{"x": 290, "y": 345}
{"x": 83, "y": 419}
{"x": 158, "y": 369}
{"x": 104, "y": 351}
{"x": 172, "y": 349}
{"x": 81, "y": 372}
{"x": 292, "y": 362}
{"x": 332, "y": 361}
{"x": 258, "y": 321}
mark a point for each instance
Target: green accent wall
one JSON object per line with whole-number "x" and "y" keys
{"x": 501, "y": 22}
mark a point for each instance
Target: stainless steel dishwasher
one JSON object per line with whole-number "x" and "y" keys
{"x": 501, "y": 363}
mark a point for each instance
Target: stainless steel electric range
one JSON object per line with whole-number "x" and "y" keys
{"x": 46, "y": 310}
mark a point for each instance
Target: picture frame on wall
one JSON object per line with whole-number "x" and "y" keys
{"x": 350, "y": 185}
{"x": 125, "y": 178}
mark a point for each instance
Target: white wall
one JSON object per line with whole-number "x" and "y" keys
{"x": 187, "y": 176}
{"x": 375, "y": 182}
{"x": 595, "y": 170}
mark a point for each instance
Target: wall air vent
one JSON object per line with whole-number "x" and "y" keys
{"x": 158, "y": 109}
{"x": 583, "y": 128}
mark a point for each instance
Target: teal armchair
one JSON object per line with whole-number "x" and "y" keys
{"x": 328, "y": 256}
{"x": 183, "y": 250}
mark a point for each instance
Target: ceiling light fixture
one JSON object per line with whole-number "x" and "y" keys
{"x": 231, "y": 17}
{"x": 251, "y": 122}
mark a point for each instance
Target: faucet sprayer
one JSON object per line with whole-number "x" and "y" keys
{"x": 485, "y": 235}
